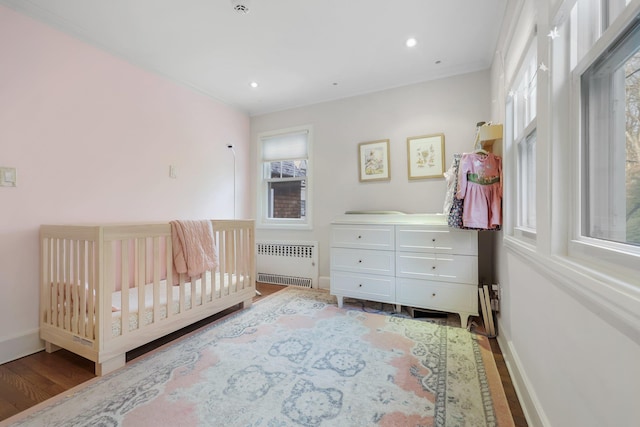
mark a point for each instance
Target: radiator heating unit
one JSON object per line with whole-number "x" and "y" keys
{"x": 287, "y": 263}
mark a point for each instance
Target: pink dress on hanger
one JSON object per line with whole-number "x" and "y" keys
{"x": 479, "y": 184}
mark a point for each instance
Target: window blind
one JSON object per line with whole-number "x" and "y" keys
{"x": 285, "y": 147}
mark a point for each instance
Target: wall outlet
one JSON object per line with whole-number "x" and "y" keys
{"x": 8, "y": 177}
{"x": 172, "y": 172}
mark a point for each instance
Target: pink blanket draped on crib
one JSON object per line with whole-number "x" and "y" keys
{"x": 194, "y": 249}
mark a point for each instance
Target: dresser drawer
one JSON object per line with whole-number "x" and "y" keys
{"x": 452, "y": 297}
{"x": 363, "y": 261}
{"x": 430, "y": 239}
{"x": 379, "y": 237}
{"x": 442, "y": 267}
{"x": 363, "y": 286}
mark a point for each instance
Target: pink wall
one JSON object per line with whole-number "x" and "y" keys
{"x": 92, "y": 138}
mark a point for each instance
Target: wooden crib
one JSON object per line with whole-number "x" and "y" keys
{"x": 107, "y": 289}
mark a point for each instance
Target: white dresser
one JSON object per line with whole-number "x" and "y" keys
{"x": 412, "y": 260}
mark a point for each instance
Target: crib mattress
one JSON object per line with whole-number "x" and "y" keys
{"x": 134, "y": 320}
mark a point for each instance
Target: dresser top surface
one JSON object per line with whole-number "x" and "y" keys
{"x": 392, "y": 218}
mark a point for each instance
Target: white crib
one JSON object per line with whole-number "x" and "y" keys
{"x": 107, "y": 289}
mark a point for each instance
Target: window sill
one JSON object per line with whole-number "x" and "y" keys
{"x": 527, "y": 235}
{"x": 614, "y": 298}
{"x": 283, "y": 226}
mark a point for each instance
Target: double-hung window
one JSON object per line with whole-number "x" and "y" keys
{"x": 606, "y": 74}
{"x": 521, "y": 142}
{"x": 611, "y": 143}
{"x": 285, "y": 175}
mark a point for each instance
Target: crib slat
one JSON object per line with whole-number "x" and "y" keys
{"x": 220, "y": 272}
{"x": 169, "y": 273}
{"x": 215, "y": 274}
{"x": 141, "y": 268}
{"x": 53, "y": 297}
{"x": 231, "y": 260}
{"x": 193, "y": 292}
{"x": 237, "y": 271}
{"x": 59, "y": 285}
{"x": 242, "y": 266}
{"x": 82, "y": 281}
{"x": 181, "y": 293}
{"x": 91, "y": 290}
{"x": 45, "y": 281}
{"x": 233, "y": 265}
{"x": 156, "y": 279}
{"x": 67, "y": 284}
{"x": 223, "y": 263}
{"x": 74, "y": 284}
{"x": 246, "y": 262}
{"x": 108, "y": 285}
{"x": 124, "y": 286}
{"x": 54, "y": 283}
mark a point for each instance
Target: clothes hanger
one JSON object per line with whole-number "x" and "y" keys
{"x": 478, "y": 145}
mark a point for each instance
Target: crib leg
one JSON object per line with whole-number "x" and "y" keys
{"x": 50, "y": 347}
{"x": 247, "y": 303}
{"x": 110, "y": 365}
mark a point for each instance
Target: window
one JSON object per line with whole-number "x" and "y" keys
{"x": 521, "y": 138}
{"x": 604, "y": 52}
{"x": 284, "y": 195}
{"x": 527, "y": 181}
{"x": 610, "y": 89}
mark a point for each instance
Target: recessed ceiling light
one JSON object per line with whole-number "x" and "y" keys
{"x": 411, "y": 42}
{"x": 253, "y": 84}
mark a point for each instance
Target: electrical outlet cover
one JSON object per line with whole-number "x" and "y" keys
{"x": 8, "y": 177}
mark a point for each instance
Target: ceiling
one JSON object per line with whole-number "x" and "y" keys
{"x": 300, "y": 52}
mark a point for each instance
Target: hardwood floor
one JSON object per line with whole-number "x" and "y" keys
{"x": 33, "y": 379}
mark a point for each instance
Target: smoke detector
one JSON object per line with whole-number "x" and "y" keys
{"x": 240, "y": 6}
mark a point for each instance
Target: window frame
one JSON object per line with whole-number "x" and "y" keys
{"x": 520, "y": 125}
{"x": 262, "y": 196}
{"x": 604, "y": 279}
{"x": 613, "y": 259}
{"x": 527, "y": 181}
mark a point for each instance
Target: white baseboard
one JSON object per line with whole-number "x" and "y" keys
{"x": 526, "y": 395}
{"x": 323, "y": 282}
{"x": 12, "y": 348}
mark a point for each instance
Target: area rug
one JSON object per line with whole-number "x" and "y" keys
{"x": 296, "y": 359}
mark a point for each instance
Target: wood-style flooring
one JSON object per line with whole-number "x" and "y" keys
{"x": 30, "y": 380}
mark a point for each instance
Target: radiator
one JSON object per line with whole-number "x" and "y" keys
{"x": 287, "y": 263}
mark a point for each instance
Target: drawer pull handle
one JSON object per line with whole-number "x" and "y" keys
{"x": 360, "y": 285}
{"x": 433, "y": 268}
{"x": 359, "y": 237}
{"x": 359, "y": 261}
{"x": 433, "y": 240}
{"x": 433, "y": 294}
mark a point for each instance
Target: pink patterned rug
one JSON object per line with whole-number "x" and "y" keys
{"x": 296, "y": 359}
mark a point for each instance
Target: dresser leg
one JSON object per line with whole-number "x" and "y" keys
{"x": 340, "y": 300}
{"x": 464, "y": 318}
{"x": 398, "y": 308}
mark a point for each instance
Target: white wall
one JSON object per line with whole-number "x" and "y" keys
{"x": 451, "y": 106}
{"x": 92, "y": 138}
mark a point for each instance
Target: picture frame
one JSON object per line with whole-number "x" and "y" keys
{"x": 425, "y": 156}
{"x": 373, "y": 161}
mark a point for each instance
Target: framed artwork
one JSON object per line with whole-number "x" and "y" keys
{"x": 373, "y": 161}
{"x": 425, "y": 156}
